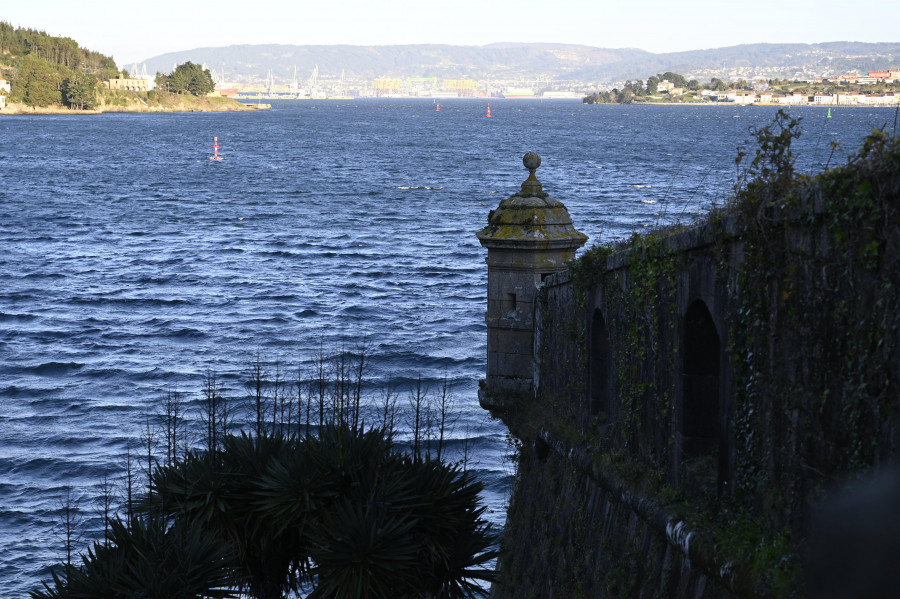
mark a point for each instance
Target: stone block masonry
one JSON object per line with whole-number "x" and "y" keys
{"x": 529, "y": 237}
{"x": 695, "y": 396}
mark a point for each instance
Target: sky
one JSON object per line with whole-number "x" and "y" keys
{"x": 134, "y": 32}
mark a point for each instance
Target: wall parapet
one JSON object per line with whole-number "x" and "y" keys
{"x": 664, "y": 521}
{"x": 747, "y": 365}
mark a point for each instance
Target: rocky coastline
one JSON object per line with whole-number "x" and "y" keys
{"x": 136, "y": 104}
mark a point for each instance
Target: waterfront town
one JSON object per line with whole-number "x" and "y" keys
{"x": 881, "y": 87}
{"x": 854, "y": 97}
{"x": 872, "y": 88}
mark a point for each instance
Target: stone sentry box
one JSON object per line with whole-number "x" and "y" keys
{"x": 528, "y": 237}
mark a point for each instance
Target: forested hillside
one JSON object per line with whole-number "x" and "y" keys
{"x": 46, "y": 70}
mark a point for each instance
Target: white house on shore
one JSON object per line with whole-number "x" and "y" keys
{"x": 5, "y": 89}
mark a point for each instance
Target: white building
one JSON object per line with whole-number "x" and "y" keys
{"x": 4, "y": 90}
{"x": 795, "y": 98}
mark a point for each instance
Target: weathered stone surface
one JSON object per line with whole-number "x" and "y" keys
{"x": 529, "y": 236}
{"x": 567, "y": 536}
{"x": 700, "y": 394}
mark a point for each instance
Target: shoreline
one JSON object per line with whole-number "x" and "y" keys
{"x": 734, "y": 104}
{"x": 16, "y": 109}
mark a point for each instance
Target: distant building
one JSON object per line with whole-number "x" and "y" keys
{"x": 851, "y": 99}
{"x": 462, "y": 87}
{"x": 888, "y": 99}
{"x": 385, "y": 87}
{"x": 131, "y": 85}
{"x": 795, "y": 98}
{"x": 4, "y": 86}
{"x": 880, "y": 74}
{"x": 664, "y": 86}
{"x": 562, "y": 95}
{"x": 737, "y": 98}
{"x": 518, "y": 92}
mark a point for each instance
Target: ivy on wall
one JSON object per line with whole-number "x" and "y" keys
{"x": 814, "y": 328}
{"x": 810, "y": 272}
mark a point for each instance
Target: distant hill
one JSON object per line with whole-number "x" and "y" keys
{"x": 520, "y": 60}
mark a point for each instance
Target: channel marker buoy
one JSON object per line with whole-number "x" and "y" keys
{"x": 489, "y": 111}
{"x": 215, "y": 155}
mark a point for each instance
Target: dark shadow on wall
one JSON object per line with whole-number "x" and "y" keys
{"x": 601, "y": 403}
{"x": 702, "y": 450}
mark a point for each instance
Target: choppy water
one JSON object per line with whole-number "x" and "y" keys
{"x": 131, "y": 264}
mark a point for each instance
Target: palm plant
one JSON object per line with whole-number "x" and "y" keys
{"x": 402, "y": 526}
{"x": 146, "y": 559}
{"x": 455, "y": 541}
{"x": 220, "y": 493}
{"x": 341, "y": 511}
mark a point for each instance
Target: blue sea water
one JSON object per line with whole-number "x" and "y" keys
{"x": 130, "y": 264}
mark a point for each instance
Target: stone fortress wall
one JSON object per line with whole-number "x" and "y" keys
{"x": 691, "y": 399}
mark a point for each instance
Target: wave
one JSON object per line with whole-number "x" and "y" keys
{"x": 187, "y": 333}
{"x": 128, "y": 301}
{"x": 4, "y": 316}
{"x": 146, "y": 280}
{"x": 53, "y": 368}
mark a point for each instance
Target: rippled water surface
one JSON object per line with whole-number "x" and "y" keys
{"x": 131, "y": 264}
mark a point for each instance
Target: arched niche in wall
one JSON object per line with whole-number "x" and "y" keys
{"x": 600, "y": 369}
{"x": 700, "y": 419}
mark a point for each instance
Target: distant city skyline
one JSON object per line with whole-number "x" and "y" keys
{"x": 653, "y": 25}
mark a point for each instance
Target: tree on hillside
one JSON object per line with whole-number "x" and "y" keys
{"x": 717, "y": 84}
{"x": 37, "y": 82}
{"x": 162, "y": 81}
{"x": 674, "y": 78}
{"x": 599, "y": 98}
{"x": 652, "y": 85}
{"x": 80, "y": 91}
{"x": 190, "y": 78}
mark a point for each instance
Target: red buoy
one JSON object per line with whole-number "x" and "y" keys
{"x": 489, "y": 110}
{"x": 438, "y": 107}
{"x": 215, "y": 155}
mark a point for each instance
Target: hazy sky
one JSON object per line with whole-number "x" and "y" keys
{"x": 132, "y": 32}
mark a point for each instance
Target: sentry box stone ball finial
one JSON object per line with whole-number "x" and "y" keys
{"x": 532, "y": 161}
{"x": 531, "y": 187}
